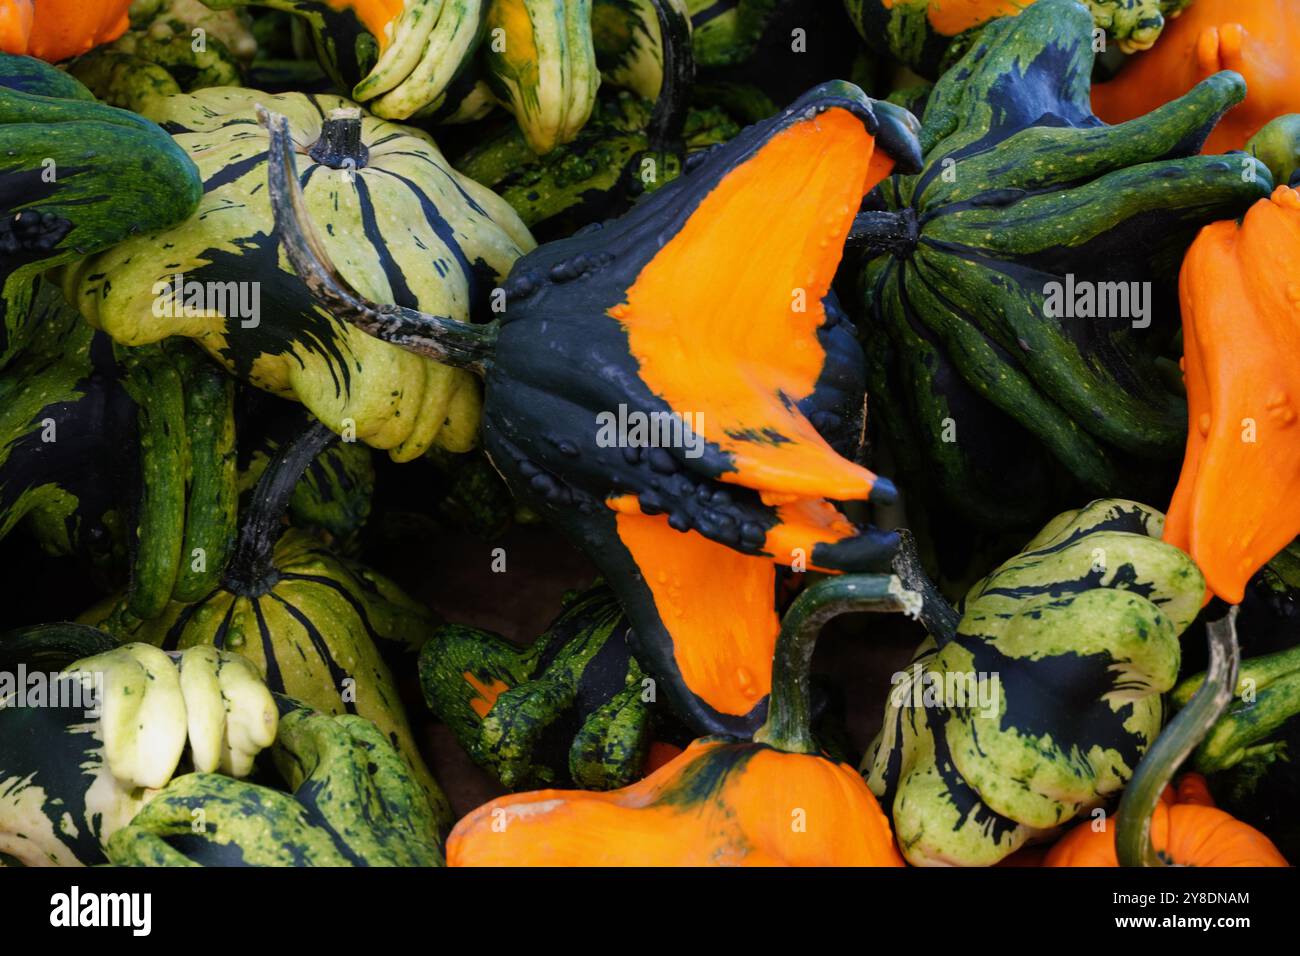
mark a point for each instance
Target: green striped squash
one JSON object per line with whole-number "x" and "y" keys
{"x": 348, "y": 799}
{"x": 313, "y": 623}
{"x": 541, "y": 64}
{"x": 629, "y": 44}
{"x": 402, "y": 225}
{"x": 1074, "y": 640}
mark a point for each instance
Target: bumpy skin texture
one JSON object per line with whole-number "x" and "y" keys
{"x": 77, "y": 178}
{"x": 718, "y": 803}
{"x": 596, "y": 176}
{"x": 1187, "y": 829}
{"x": 71, "y": 776}
{"x": 596, "y": 323}
{"x": 403, "y": 226}
{"x": 979, "y": 386}
{"x": 921, "y": 32}
{"x": 1260, "y": 40}
{"x": 351, "y": 801}
{"x": 314, "y": 630}
{"x": 1235, "y": 506}
{"x": 567, "y": 709}
{"x": 1076, "y": 638}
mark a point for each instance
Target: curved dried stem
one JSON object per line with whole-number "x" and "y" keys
{"x": 441, "y": 338}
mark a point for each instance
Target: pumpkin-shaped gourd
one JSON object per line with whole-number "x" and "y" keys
{"x": 571, "y": 707}
{"x": 79, "y": 176}
{"x": 310, "y": 621}
{"x": 1188, "y": 830}
{"x": 407, "y": 228}
{"x": 1236, "y": 506}
{"x": 1038, "y": 705}
{"x": 92, "y": 729}
{"x": 772, "y": 801}
{"x": 344, "y": 797}
{"x": 55, "y": 30}
{"x": 1260, "y": 40}
{"x": 1012, "y": 289}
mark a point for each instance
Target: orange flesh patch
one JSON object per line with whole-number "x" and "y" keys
{"x": 487, "y": 693}
{"x": 717, "y": 604}
{"x": 723, "y": 320}
{"x": 375, "y": 15}
{"x": 55, "y": 30}
{"x": 15, "y": 26}
{"x": 1238, "y": 501}
{"x": 951, "y": 17}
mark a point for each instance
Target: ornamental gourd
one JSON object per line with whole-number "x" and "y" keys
{"x": 55, "y": 30}
{"x": 1010, "y": 352}
{"x": 708, "y": 305}
{"x": 571, "y": 707}
{"x": 119, "y": 456}
{"x": 407, "y": 228}
{"x": 78, "y": 178}
{"x": 772, "y": 801}
{"x": 1037, "y": 706}
{"x": 1235, "y": 504}
{"x": 1158, "y": 826}
{"x": 78, "y": 764}
{"x": 312, "y": 623}
{"x": 344, "y": 797}
{"x": 924, "y": 33}
{"x": 1260, "y": 40}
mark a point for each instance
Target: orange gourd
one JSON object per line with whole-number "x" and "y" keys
{"x": 375, "y": 15}
{"x": 773, "y": 801}
{"x": 1260, "y": 39}
{"x": 1187, "y": 829}
{"x": 55, "y": 30}
{"x": 1237, "y": 502}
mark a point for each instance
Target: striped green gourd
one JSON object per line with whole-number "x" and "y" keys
{"x": 540, "y": 62}
{"x": 1038, "y": 705}
{"x": 77, "y": 178}
{"x": 983, "y": 376}
{"x": 313, "y": 623}
{"x": 629, "y": 41}
{"x": 570, "y": 708}
{"x": 405, "y": 227}
{"x": 927, "y": 35}
{"x": 121, "y": 456}
{"x": 348, "y": 799}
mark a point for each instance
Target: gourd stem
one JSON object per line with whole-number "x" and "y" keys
{"x": 882, "y": 232}
{"x": 789, "y": 708}
{"x": 938, "y": 616}
{"x": 252, "y": 566}
{"x": 439, "y": 337}
{"x": 340, "y": 145}
{"x": 668, "y": 120}
{"x": 1180, "y": 737}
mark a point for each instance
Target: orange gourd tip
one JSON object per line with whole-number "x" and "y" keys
{"x": 1237, "y": 502}
{"x": 1259, "y": 39}
{"x": 772, "y": 801}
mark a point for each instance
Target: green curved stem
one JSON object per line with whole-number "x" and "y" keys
{"x": 789, "y": 709}
{"x": 938, "y": 616}
{"x": 1176, "y": 742}
{"x": 668, "y": 120}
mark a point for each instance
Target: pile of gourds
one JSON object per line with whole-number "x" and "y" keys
{"x": 666, "y": 283}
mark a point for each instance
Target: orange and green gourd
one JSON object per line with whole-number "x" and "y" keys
{"x": 1236, "y": 504}
{"x": 706, "y": 308}
{"x": 1259, "y": 39}
{"x": 772, "y": 801}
